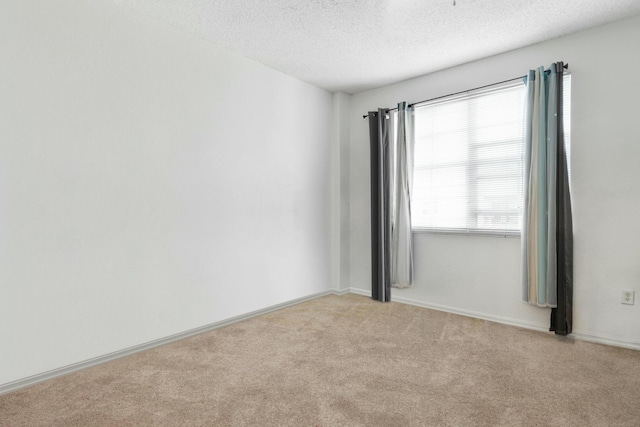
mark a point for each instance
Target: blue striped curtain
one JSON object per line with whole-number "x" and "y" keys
{"x": 547, "y": 231}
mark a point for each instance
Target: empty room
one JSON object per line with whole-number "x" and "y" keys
{"x": 322, "y": 213}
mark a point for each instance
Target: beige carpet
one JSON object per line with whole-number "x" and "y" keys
{"x": 348, "y": 361}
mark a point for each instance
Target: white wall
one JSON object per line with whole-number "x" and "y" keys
{"x": 480, "y": 275}
{"x": 150, "y": 183}
{"x": 340, "y": 143}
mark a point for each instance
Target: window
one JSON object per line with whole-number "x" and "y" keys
{"x": 468, "y": 160}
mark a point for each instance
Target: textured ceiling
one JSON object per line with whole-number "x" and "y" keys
{"x": 355, "y": 45}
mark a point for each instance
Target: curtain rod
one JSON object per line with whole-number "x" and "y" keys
{"x": 565, "y": 66}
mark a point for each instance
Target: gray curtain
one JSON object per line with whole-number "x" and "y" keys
{"x": 402, "y": 179}
{"x": 379, "y": 128}
{"x": 547, "y": 230}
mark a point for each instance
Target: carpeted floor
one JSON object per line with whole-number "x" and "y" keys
{"x": 348, "y": 361}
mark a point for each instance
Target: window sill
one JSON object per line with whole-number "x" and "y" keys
{"x": 466, "y": 232}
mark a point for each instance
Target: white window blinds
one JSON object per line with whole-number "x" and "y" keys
{"x": 468, "y": 164}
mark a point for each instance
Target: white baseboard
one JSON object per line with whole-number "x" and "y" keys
{"x": 475, "y": 314}
{"x": 34, "y": 379}
{"x": 360, "y": 292}
{"x": 582, "y": 336}
{"x": 601, "y": 339}
{"x": 460, "y": 311}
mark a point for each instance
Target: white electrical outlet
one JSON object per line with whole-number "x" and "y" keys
{"x": 628, "y": 297}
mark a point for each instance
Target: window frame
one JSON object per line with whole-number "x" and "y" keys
{"x": 501, "y": 233}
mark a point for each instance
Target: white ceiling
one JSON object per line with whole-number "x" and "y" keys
{"x": 355, "y": 45}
